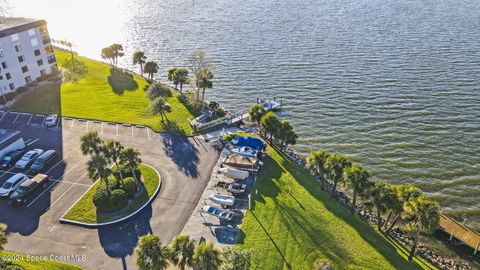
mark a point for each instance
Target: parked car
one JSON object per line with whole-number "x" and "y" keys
{"x": 43, "y": 161}
{"x": 11, "y": 158}
{"x": 28, "y": 187}
{"x": 28, "y": 158}
{"x": 11, "y": 184}
{"x": 51, "y": 120}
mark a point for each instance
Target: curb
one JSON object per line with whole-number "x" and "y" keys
{"x": 95, "y": 225}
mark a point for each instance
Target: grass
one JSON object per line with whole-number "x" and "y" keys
{"x": 104, "y": 94}
{"x": 38, "y": 265}
{"x": 84, "y": 210}
{"x": 297, "y": 229}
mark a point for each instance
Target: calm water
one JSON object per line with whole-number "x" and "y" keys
{"x": 394, "y": 84}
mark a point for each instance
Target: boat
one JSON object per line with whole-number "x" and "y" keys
{"x": 270, "y": 105}
{"x": 235, "y": 173}
{"x": 220, "y": 213}
{"x": 222, "y": 199}
{"x": 241, "y": 161}
{"x": 245, "y": 151}
{"x": 234, "y": 188}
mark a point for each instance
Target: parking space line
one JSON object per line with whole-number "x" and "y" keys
{"x": 31, "y": 116}
{"x": 101, "y": 128}
{"x": 148, "y": 133}
{"x": 65, "y": 192}
{"x": 117, "y": 129}
{"x": 7, "y": 172}
{"x": 73, "y": 122}
{"x": 86, "y": 127}
{"x": 48, "y": 188}
{"x": 5, "y": 113}
{"x": 51, "y": 168}
{"x": 16, "y": 118}
{"x": 30, "y": 143}
{"x": 58, "y": 122}
{"x": 132, "y": 132}
{"x": 44, "y": 118}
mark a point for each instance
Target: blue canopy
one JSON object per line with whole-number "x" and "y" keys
{"x": 248, "y": 141}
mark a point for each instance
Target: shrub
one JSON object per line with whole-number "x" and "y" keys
{"x": 129, "y": 185}
{"x": 118, "y": 200}
{"x": 101, "y": 199}
{"x": 220, "y": 112}
{"x": 156, "y": 90}
{"x": 229, "y": 137}
{"x": 114, "y": 182}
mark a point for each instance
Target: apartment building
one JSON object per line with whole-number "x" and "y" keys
{"x": 26, "y": 52}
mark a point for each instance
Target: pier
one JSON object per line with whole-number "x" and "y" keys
{"x": 460, "y": 232}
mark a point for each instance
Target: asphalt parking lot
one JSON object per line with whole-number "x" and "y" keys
{"x": 185, "y": 165}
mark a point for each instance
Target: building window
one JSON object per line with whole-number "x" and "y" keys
{"x": 1, "y": 54}
{"x": 43, "y": 29}
{"x": 46, "y": 40}
{"x": 40, "y": 62}
{"x": 18, "y": 48}
{"x": 1, "y": 77}
{"x": 14, "y": 37}
{"x": 8, "y": 76}
{"x": 48, "y": 49}
{"x": 24, "y": 69}
{"x": 4, "y": 65}
{"x": 31, "y": 32}
{"x": 34, "y": 42}
{"x": 43, "y": 73}
{"x": 28, "y": 79}
{"x": 37, "y": 52}
{"x": 51, "y": 59}
{"x": 21, "y": 58}
{"x": 12, "y": 86}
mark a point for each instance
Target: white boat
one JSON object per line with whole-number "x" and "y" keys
{"x": 270, "y": 105}
{"x": 245, "y": 151}
{"x": 220, "y": 213}
{"x": 234, "y": 173}
{"x": 222, "y": 199}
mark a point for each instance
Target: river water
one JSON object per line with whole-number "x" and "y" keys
{"x": 394, "y": 84}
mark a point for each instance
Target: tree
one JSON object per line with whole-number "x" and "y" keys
{"x": 358, "y": 179}
{"x": 182, "y": 251}
{"x": 107, "y": 54}
{"x": 255, "y": 112}
{"x": 131, "y": 160}
{"x": 139, "y": 58}
{"x": 171, "y": 77}
{"x": 200, "y": 65}
{"x": 285, "y": 134}
{"x": 316, "y": 162}
{"x": 334, "y": 166}
{"x": 3, "y": 236}
{"x": 97, "y": 168}
{"x": 159, "y": 106}
{"x": 91, "y": 144}
{"x": 423, "y": 215}
{"x": 67, "y": 44}
{"x": 112, "y": 53}
{"x": 150, "y": 253}
{"x": 268, "y": 125}
{"x": 205, "y": 77}
{"x": 236, "y": 259}
{"x": 404, "y": 193}
{"x": 379, "y": 196}
{"x": 207, "y": 257}
{"x": 113, "y": 151}
{"x": 74, "y": 70}
{"x": 150, "y": 68}
{"x": 181, "y": 76}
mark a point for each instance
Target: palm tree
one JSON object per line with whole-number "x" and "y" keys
{"x": 207, "y": 257}
{"x": 150, "y": 68}
{"x": 113, "y": 151}
{"x": 379, "y": 196}
{"x": 199, "y": 62}
{"x": 107, "y": 53}
{"x": 316, "y": 163}
{"x": 139, "y": 58}
{"x": 150, "y": 253}
{"x": 268, "y": 124}
{"x": 404, "y": 193}
{"x": 159, "y": 106}
{"x": 256, "y": 112}
{"x": 181, "y": 76}
{"x": 205, "y": 77}
{"x": 182, "y": 251}
{"x": 285, "y": 134}
{"x": 3, "y": 236}
{"x": 171, "y": 76}
{"x": 131, "y": 159}
{"x": 334, "y": 166}
{"x": 423, "y": 215}
{"x": 117, "y": 51}
{"x": 236, "y": 259}
{"x": 91, "y": 144}
{"x": 357, "y": 178}
{"x": 97, "y": 168}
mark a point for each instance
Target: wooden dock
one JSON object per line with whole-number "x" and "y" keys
{"x": 461, "y": 232}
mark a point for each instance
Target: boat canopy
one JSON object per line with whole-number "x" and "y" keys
{"x": 248, "y": 141}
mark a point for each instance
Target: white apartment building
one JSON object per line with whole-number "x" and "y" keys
{"x": 26, "y": 52}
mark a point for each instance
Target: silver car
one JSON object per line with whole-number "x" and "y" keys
{"x": 11, "y": 184}
{"x": 51, "y": 120}
{"x": 28, "y": 158}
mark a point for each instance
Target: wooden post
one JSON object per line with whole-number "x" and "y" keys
{"x": 476, "y": 249}
{"x": 451, "y": 234}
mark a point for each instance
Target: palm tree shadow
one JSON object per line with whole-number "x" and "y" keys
{"x": 183, "y": 153}
{"x": 121, "y": 81}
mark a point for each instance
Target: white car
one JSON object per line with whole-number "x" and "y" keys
{"x": 245, "y": 151}
{"x": 11, "y": 184}
{"x": 28, "y": 158}
{"x": 51, "y": 120}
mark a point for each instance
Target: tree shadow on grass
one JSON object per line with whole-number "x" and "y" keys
{"x": 173, "y": 128}
{"x": 121, "y": 81}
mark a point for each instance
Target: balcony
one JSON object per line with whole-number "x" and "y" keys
{"x": 46, "y": 40}
{"x": 51, "y": 59}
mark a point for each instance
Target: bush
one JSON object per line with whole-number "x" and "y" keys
{"x": 101, "y": 199}
{"x": 8, "y": 265}
{"x": 129, "y": 185}
{"x": 104, "y": 203}
{"x": 220, "y": 112}
{"x": 156, "y": 90}
{"x": 114, "y": 182}
{"x": 118, "y": 200}
{"x": 229, "y": 137}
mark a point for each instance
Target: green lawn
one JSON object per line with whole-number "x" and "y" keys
{"x": 294, "y": 230}
{"x": 39, "y": 265}
{"x": 84, "y": 210}
{"x": 104, "y": 94}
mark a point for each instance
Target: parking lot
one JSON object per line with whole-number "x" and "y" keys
{"x": 184, "y": 164}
